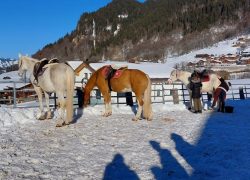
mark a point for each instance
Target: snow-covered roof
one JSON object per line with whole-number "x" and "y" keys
{"x": 5, "y": 83}
{"x": 74, "y": 64}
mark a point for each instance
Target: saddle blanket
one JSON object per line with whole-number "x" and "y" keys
{"x": 108, "y": 69}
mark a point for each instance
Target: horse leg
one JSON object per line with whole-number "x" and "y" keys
{"x": 61, "y": 110}
{"x": 139, "y": 110}
{"x": 107, "y": 101}
{"x": 48, "y": 111}
{"x": 41, "y": 114}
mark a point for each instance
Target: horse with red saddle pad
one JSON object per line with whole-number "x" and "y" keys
{"x": 109, "y": 79}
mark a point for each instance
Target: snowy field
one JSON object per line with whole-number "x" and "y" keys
{"x": 177, "y": 144}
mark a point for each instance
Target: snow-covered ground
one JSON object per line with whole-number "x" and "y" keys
{"x": 177, "y": 144}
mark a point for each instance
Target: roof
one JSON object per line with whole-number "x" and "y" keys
{"x": 83, "y": 65}
{"x": 79, "y": 65}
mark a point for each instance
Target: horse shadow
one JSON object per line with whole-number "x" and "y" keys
{"x": 170, "y": 167}
{"x": 117, "y": 169}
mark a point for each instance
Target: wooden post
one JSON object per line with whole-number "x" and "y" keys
{"x": 232, "y": 91}
{"x": 241, "y": 92}
{"x": 14, "y": 95}
{"x": 174, "y": 93}
{"x": 129, "y": 99}
{"x": 117, "y": 96}
{"x": 183, "y": 95}
{"x": 163, "y": 95}
{"x": 246, "y": 91}
{"x": 55, "y": 100}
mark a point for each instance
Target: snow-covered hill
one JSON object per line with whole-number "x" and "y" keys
{"x": 4, "y": 63}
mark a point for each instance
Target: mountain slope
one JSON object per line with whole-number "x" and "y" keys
{"x": 127, "y": 29}
{"x": 7, "y": 64}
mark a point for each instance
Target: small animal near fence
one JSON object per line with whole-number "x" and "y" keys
{"x": 161, "y": 93}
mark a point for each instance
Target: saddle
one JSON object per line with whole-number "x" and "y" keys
{"x": 111, "y": 71}
{"x": 40, "y": 67}
{"x": 203, "y": 75}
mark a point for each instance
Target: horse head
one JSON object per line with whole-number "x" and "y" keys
{"x": 26, "y": 63}
{"x": 174, "y": 75}
{"x": 21, "y": 65}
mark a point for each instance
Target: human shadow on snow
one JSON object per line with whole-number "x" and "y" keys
{"x": 170, "y": 168}
{"x": 221, "y": 152}
{"x": 222, "y": 148}
{"x": 117, "y": 169}
{"x": 78, "y": 112}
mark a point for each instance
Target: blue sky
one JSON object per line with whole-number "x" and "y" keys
{"x": 28, "y": 25}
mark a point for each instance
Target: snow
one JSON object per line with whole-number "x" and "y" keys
{"x": 162, "y": 70}
{"x": 177, "y": 144}
{"x": 14, "y": 77}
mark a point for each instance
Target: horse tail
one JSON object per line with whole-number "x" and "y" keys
{"x": 147, "y": 107}
{"x": 70, "y": 93}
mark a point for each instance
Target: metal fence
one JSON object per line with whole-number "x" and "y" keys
{"x": 161, "y": 93}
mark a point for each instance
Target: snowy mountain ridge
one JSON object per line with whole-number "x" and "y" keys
{"x": 6, "y": 62}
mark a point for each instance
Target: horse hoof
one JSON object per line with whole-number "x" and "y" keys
{"x": 41, "y": 118}
{"x": 107, "y": 114}
{"x": 135, "y": 119}
{"x": 48, "y": 115}
{"x": 60, "y": 123}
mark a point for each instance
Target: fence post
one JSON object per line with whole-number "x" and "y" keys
{"x": 117, "y": 96}
{"x": 129, "y": 99}
{"x": 241, "y": 92}
{"x": 174, "y": 93}
{"x": 232, "y": 91}
{"x": 246, "y": 91}
{"x": 55, "y": 100}
{"x": 182, "y": 89}
{"x": 14, "y": 94}
{"x": 163, "y": 95}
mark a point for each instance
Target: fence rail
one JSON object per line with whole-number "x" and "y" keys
{"x": 161, "y": 93}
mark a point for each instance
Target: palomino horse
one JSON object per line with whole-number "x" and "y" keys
{"x": 129, "y": 80}
{"x": 184, "y": 76}
{"x": 57, "y": 78}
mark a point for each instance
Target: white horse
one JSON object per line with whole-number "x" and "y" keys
{"x": 184, "y": 77}
{"x": 57, "y": 78}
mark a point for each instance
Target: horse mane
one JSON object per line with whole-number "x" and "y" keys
{"x": 30, "y": 58}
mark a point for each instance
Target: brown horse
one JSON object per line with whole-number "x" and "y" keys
{"x": 129, "y": 80}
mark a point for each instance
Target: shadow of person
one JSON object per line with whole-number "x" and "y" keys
{"x": 78, "y": 112}
{"x": 170, "y": 167}
{"x": 185, "y": 149}
{"x": 117, "y": 169}
{"x": 134, "y": 108}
